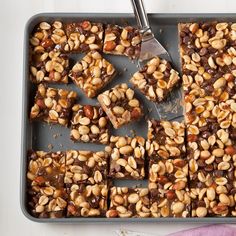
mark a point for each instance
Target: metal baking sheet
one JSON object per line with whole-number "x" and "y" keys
{"x": 38, "y": 135}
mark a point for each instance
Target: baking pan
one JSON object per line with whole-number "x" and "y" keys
{"x": 38, "y": 135}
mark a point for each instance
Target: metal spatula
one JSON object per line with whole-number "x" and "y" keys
{"x": 170, "y": 108}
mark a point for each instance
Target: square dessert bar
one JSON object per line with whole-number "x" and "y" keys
{"x": 122, "y": 41}
{"x": 92, "y": 73}
{"x": 84, "y": 36}
{"x": 168, "y": 186}
{"x": 120, "y": 105}
{"x": 127, "y": 157}
{"x": 86, "y": 167}
{"x": 46, "y": 168}
{"x": 47, "y": 61}
{"x": 213, "y": 193}
{"x": 211, "y": 155}
{"x": 165, "y": 140}
{"x": 53, "y": 105}
{"x": 203, "y": 111}
{"x": 212, "y": 188}
{"x": 49, "y": 67}
{"x": 89, "y": 124}
{"x": 48, "y": 36}
{"x": 87, "y": 200}
{"x": 47, "y": 202}
{"x": 208, "y": 59}
{"x": 128, "y": 202}
{"x": 156, "y": 79}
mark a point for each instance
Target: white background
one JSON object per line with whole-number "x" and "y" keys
{"x": 13, "y": 16}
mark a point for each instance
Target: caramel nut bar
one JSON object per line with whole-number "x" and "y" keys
{"x": 168, "y": 186}
{"x": 46, "y": 168}
{"x": 211, "y": 155}
{"x": 53, "y": 105}
{"x": 156, "y": 79}
{"x": 165, "y": 139}
{"x": 86, "y": 167}
{"x": 122, "y": 41}
{"x": 207, "y": 147}
{"x": 208, "y": 59}
{"x": 87, "y": 200}
{"x": 46, "y": 37}
{"x": 92, "y": 73}
{"x": 203, "y": 111}
{"x": 47, "y": 61}
{"x": 212, "y": 189}
{"x": 127, "y": 157}
{"x": 128, "y": 202}
{"x": 83, "y": 36}
{"x": 89, "y": 124}
{"x": 213, "y": 196}
{"x": 49, "y": 67}
{"x": 120, "y": 105}
{"x": 47, "y": 202}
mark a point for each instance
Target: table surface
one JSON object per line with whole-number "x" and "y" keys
{"x": 13, "y": 16}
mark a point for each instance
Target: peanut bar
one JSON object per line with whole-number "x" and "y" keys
{"x": 86, "y": 167}
{"x": 84, "y": 36}
{"x": 87, "y": 200}
{"x": 120, "y": 105}
{"x": 165, "y": 139}
{"x": 127, "y": 157}
{"x": 128, "y": 202}
{"x": 156, "y": 79}
{"x": 53, "y": 105}
{"x": 168, "y": 186}
{"x": 122, "y": 41}
{"x": 92, "y": 73}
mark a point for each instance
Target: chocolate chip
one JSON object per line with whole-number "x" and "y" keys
{"x": 43, "y": 215}
{"x": 84, "y": 47}
{"x": 209, "y": 168}
{"x": 94, "y": 201}
{"x": 129, "y": 51}
{"x": 186, "y": 39}
{"x": 201, "y": 204}
{"x": 154, "y": 193}
{"x": 151, "y": 81}
{"x": 218, "y": 173}
{"x": 203, "y": 51}
{"x": 132, "y": 208}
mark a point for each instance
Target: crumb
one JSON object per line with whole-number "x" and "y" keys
{"x": 125, "y": 69}
{"x": 138, "y": 186}
{"x": 50, "y": 146}
{"x": 146, "y": 117}
{"x": 61, "y": 145}
{"x": 150, "y": 109}
{"x": 123, "y": 233}
{"x": 133, "y": 133}
{"x": 50, "y": 127}
{"x": 160, "y": 31}
{"x": 56, "y": 135}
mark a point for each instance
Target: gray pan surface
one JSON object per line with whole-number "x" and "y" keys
{"x": 39, "y": 135}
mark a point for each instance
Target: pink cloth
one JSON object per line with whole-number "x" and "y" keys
{"x": 210, "y": 230}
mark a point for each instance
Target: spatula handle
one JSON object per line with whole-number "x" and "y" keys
{"x": 141, "y": 15}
